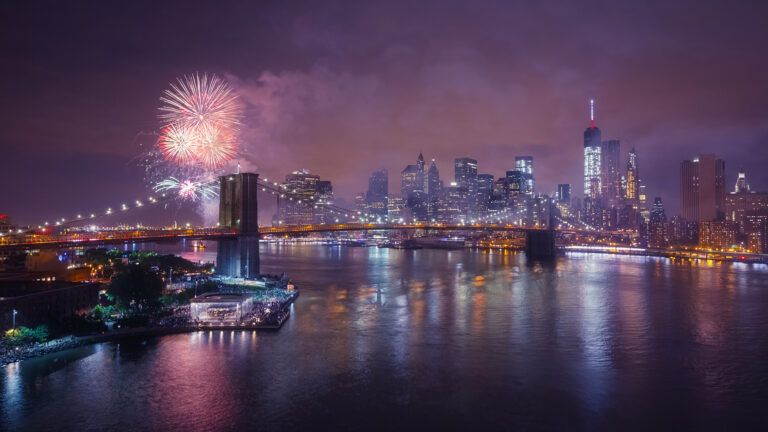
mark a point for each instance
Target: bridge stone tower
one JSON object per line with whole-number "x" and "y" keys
{"x": 238, "y": 203}
{"x": 540, "y": 244}
{"x": 238, "y": 209}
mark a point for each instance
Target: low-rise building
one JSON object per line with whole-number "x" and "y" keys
{"x": 718, "y": 235}
{"x": 41, "y": 302}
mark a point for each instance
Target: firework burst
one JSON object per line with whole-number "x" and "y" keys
{"x": 215, "y": 147}
{"x": 201, "y": 115}
{"x": 179, "y": 144}
{"x": 192, "y": 190}
{"x": 201, "y": 101}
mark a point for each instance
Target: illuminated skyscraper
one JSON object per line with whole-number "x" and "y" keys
{"x": 610, "y": 178}
{"x": 657, "y": 226}
{"x": 308, "y": 199}
{"x": 633, "y": 177}
{"x": 413, "y": 189}
{"x": 485, "y": 183}
{"x": 378, "y": 189}
{"x": 465, "y": 175}
{"x": 434, "y": 187}
{"x": 702, "y": 188}
{"x": 564, "y": 193}
{"x": 592, "y": 158}
{"x": 743, "y": 201}
{"x": 524, "y": 164}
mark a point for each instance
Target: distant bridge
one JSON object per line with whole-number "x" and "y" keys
{"x": 238, "y": 222}
{"x": 148, "y": 235}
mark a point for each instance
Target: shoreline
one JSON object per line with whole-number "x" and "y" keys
{"x": 733, "y": 257}
{"x": 70, "y": 342}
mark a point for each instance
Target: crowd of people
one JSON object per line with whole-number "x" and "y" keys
{"x": 9, "y": 354}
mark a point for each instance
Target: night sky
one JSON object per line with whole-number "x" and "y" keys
{"x": 344, "y": 88}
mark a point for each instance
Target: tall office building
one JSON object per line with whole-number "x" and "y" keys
{"x": 323, "y": 197}
{"x": 741, "y": 183}
{"x": 395, "y": 206}
{"x": 378, "y": 190}
{"x": 465, "y": 175}
{"x": 420, "y": 162}
{"x": 524, "y": 164}
{"x": 238, "y": 202}
{"x": 453, "y": 201}
{"x": 433, "y": 186}
{"x": 514, "y": 183}
{"x": 410, "y": 181}
{"x": 610, "y": 177}
{"x": 743, "y": 202}
{"x": 413, "y": 190}
{"x": 657, "y": 225}
{"x": 592, "y": 158}
{"x": 633, "y": 177}
{"x": 433, "y": 180}
{"x": 306, "y": 192}
{"x": 564, "y": 193}
{"x": 485, "y": 183}
{"x": 702, "y": 188}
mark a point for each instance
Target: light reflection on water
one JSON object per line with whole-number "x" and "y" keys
{"x": 384, "y": 338}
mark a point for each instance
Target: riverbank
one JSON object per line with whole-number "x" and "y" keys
{"x": 16, "y": 354}
{"x": 12, "y": 355}
{"x": 686, "y": 255}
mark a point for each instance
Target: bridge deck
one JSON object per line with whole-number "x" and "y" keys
{"x": 67, "y": 239}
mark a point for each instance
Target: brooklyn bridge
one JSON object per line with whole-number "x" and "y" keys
{"x": 238, "y": 221}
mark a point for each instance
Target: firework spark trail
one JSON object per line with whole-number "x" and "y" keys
{"x": 179, "y": 144}
{"x": 201, "y": 114}
{"x": 187, "y": 189}
{"x": 215, "y": 147}
{"x": 201, "y": 101}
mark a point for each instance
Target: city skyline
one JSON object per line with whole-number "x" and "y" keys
{"x": 471, "y": 94}
{"x": 365, "y": 215}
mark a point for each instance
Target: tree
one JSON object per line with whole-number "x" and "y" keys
{"x": 24, "y": 335}
{"x": 136, "y": 287}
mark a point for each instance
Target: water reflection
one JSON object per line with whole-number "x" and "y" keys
{"x": 238, "y": 257}
{"x": 392, "y": 337}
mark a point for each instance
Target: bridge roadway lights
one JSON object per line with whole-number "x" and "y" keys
{"x": 540, "y": 244}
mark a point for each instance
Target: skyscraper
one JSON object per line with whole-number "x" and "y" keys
{"x": 306, "y": 191}
{"x": 434, "y": 187}
{"x": 657, "y": 226}
{"x": 514, "y": 183}
{"x": 465, "y": 175}
{"x": 633, "y": 177}
{"x": 610, "y": 177}
{"x": 592, "y": 158}
{"x": 524, "y": 164}
{"x": 564, "y": 193}
{"x": 743, "y": 202}
{"x": 484, "y": 191}
{"x": 702, "y": 188}
{"x": 412, "y": 189}
{"x": 378, "y": 190}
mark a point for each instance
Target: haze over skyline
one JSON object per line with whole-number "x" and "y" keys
{"x": 344, "y": 89}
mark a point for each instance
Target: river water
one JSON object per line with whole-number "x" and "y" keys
{"x": 385, "y": 339}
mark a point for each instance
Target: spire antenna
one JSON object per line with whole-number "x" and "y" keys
{"x": 592, "y": 113}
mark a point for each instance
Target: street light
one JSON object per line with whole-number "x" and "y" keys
{"x": 15, "y": 312}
